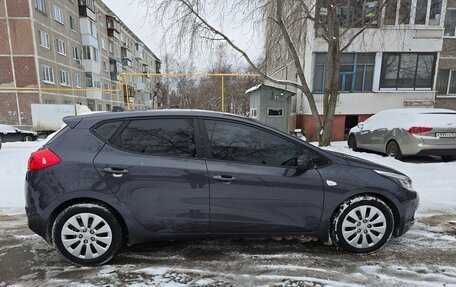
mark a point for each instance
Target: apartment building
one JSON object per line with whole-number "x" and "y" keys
{"x": 70, "y": 52}
{"x": 392, "y": 64}
{"x": 446, "y": 76}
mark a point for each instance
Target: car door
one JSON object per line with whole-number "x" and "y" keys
{"x": 255, "y": 186}
{"x": 154, "y": 168}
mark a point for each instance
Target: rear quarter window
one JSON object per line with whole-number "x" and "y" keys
{"x": 107, "y": 129}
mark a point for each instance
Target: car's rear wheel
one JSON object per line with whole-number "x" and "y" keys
{"x": 362, "y": 224}
{"x": 87, "y": 234}
{"x": 352, "y": 142}
{"x": 393, "y": 150}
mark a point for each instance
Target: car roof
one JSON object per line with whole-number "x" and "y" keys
{"x": 414, "y": 111}
{"x": 93, "y": 118}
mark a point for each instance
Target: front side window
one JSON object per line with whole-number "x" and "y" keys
{"x": 159, "y": 137}
{"x": 407, "y": 70}
{"x": 246, "y": 144}
{"x": 356, "y": 72}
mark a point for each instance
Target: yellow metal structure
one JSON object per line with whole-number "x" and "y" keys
{"x": 123, "y": 77}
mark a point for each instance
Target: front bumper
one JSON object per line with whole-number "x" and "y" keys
{"x": 408, "y": 215}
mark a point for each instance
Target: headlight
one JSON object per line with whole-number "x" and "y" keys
{"x": 400, "y": 179}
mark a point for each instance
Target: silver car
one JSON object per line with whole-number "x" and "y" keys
{"x": 406, "y": 132}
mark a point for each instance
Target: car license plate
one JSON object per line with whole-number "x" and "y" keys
{"x": 445, "y": 135}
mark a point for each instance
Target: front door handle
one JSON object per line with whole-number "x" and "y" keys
{"x": 226, "y": 179}
{"x": 115, "y": 171}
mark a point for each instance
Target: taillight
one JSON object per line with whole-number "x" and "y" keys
{"x": 41, "y": 159}
{"x": 419, "y": 130}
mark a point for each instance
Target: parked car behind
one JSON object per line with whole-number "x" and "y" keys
{"x": 11, "y": 134}
{"x": 406, "y": 132}
{"x": 129, "y": 177}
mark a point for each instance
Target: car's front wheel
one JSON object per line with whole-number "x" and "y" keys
{"x": 87, "y": 234}
{"x": 362, "y": 224}
{"x": 27, "y": 138}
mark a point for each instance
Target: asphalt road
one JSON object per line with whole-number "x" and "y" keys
{"x": 425, "y": 256}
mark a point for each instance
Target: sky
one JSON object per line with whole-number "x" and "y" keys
{"x": 133, "y": 14}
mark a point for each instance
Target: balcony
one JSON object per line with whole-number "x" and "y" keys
{"x": 126, "y": 53}
{"x": 139, "y": 51}
{"x": 127, "y": 62}
{"x": 113, "y": 27}
{"x": 87, "y": 9}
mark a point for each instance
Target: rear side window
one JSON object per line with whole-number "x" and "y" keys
{"x": 242, "y": 143}
{"x": 161, "y": 137}
{"x": 106, "y": 130}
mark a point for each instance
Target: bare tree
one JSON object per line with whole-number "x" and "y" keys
{"x": 338, "y": 22}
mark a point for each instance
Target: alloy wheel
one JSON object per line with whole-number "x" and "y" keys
{"x": 86, "y": 235}
{"x": 364, "y": 226}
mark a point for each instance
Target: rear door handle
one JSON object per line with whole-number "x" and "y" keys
{"x": 226, "y": 179}
{"x": 115, "y": 171}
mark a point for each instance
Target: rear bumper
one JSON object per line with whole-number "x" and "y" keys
{"x": 434, "y": 151}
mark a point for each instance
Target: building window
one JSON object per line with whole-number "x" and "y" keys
{"x": 72, "y": 23}
{"x": 93, "y": 80}
{"x": 450, "y": 22}
{"x": 405, "y": 7}
{"x": 105, "y": 66}
{"x": 111, "y": 47}
{"x": 44, "y": 39}
{"x": 92, "y": 29}
{"x": 103, "y": 43}
{"x": 106, "y": 88}
{"x": 40, "y": 5}
{"x": 101, "y": 20}
{"x": 76, "y": 55}
{"x": 48, "y": 74}
{"x": 58, "y": 14}
{"x": 275, "y": 112}
{"x": 446, "y": 82}
{"x": 424, "y": 16}
{"x": 407, "y": 70}
{"x": 77, "y": 81}
{"x": 64, "y": 78}
{"x": 90, "y": 53}
{"x": 253, "y": 113}
{"x": 61, "y": 47}
{"x": 356, "y": 72}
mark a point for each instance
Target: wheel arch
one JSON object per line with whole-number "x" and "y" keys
{"x": 389, "y": 202}
{"x": 74, "y": 201}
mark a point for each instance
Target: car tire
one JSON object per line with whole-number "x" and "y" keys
{"x": 87, "y": 234}
{"x": 355, "y": 232}
{"x": 27, "y": 138}
{"x": 393, "y": 150}
{"x": 447, "y": 158}
{"x": 352, "y": 143}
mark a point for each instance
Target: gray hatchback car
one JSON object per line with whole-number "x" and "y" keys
{"x": 128, "y": 177}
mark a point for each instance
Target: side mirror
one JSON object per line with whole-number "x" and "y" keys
{"x": 361, "y": 125}
{"x": 304, "y": 163}
{"x": 16, "y": 130}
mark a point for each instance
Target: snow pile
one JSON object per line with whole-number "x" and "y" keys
{"x": 407, "y": 118}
